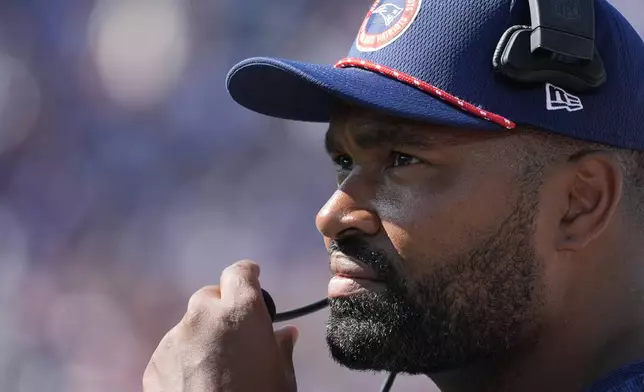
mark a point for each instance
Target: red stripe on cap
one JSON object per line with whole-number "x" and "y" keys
{"x": 428, "y": 88}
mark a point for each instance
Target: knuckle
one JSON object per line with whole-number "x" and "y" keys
{"x": 200, "y": 305}
{"x": 244, "y": 265}
{"x": 203, "y": 297}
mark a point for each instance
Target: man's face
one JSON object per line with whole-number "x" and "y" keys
{"x": 440, "y": 222}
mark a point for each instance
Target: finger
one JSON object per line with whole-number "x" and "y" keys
{"x": 200, "y": 305}
{"x": 286, "y": 338}
{"x": 204, "y": 297}
{"x": 240, "y": 282}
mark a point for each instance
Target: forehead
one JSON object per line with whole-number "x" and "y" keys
{"x": 366, "y": 129}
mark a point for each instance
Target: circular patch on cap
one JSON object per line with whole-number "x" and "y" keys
{"x": 386, "y": 21}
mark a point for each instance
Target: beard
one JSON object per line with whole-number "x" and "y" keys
{"x": 469, "y": 308}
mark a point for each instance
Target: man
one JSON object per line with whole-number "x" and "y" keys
{"x": 487, "y": 230}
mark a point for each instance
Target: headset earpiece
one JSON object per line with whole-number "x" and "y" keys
{"x": 558, "y": 48}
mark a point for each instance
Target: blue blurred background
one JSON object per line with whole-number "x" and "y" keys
{"x": 129, "y": 179}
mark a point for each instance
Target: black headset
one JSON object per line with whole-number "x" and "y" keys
{"x": 559, "y": 48}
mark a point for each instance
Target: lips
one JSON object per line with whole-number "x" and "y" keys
{"x": 351, "y": 277}
{"x": 343, "y": 266}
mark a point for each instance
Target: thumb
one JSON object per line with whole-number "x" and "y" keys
{"x": 286, "y": 338}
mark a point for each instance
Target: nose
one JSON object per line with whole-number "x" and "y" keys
{"x": 345, "y": 214}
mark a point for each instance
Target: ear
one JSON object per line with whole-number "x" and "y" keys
{"x": 594, "y": 192}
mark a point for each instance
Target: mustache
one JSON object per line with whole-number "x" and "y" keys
{"x": 360, "y": 249}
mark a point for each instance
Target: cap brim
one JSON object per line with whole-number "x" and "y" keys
{"x": 307, "y": 92}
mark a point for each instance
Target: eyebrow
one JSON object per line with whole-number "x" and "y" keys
{"x": 394, "y": 135}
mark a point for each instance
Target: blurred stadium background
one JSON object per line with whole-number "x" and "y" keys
{"x": 129, "y": 179}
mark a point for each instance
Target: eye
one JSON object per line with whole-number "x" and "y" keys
{"x": 343, "y": 163}
{"x": 401, "y": 159}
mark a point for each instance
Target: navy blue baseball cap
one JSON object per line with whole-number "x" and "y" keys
{"x": 437, "y": 61}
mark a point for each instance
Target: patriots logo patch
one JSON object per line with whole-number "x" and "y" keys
{"x": 389, "y": 12}
{"x": 386, "y": 21}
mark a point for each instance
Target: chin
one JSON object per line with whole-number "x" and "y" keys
{"x": 364, "y": 347}
{"x": 370, "y": 346}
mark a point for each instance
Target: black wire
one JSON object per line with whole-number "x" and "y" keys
{"x": 389, "y": 382}
{"x": 303, "y": 311}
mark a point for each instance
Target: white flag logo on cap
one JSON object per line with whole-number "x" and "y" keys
{"x": 558, "y": 99}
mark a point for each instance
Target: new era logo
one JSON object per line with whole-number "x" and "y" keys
{"x": 558, "y": 99}
{"x": 567, "y": 9}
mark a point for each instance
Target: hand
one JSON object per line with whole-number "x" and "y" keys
{"x": 225, "y": 342}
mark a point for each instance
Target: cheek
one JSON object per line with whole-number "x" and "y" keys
{"x": 558, "y": 273}
{"x": 430, "y": 224}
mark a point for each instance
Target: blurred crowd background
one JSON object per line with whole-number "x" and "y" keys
{"x": 129, "y": 179}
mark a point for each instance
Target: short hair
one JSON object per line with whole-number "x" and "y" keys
{"x": 544, "y": 149}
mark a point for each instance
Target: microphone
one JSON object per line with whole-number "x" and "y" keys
{"x": 303, "y": 311}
